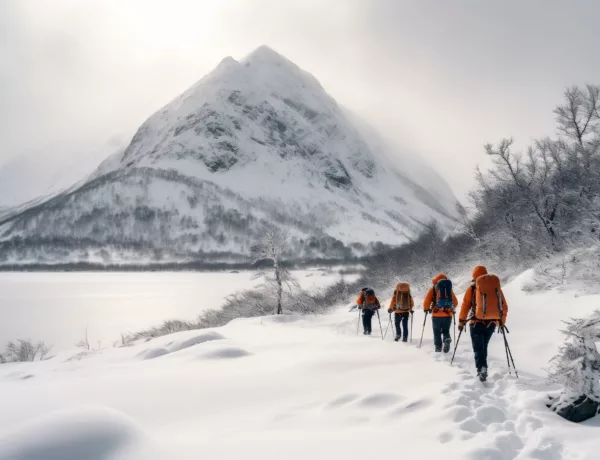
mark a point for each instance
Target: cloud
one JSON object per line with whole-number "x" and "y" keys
{"x": 438, "y": 78}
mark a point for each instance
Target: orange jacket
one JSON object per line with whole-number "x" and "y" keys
{"x": 468, "y": 302}
{"x": 393, "y": 304}
{"x": 428, "y": 302}
{"x": 361, "y": 300}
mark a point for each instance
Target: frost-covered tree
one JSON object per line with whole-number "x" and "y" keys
{"x": 271, "y": 246}
{"x": 24, "y": 351}
{"x": 577, "y": 368}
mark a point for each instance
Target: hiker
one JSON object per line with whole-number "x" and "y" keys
{"x": 441, "y": 301}
{"x": 402, "y": 305}
{"x": 368, "y": 303}
{"x": 485, "y": 308}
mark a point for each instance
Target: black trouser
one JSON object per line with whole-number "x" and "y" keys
{"x": 367, "y": 315}
{"x": 481, "y": 334}
{"x": 401, "y": 318}
{"x": 441, "y": 328}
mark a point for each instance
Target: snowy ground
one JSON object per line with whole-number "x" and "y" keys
{"x": 295, "y": 388}
{"x": 58, "y": 307}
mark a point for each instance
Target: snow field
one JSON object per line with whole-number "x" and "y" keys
{"x": 304, "y": 387}
{"x": 111, "y": 304}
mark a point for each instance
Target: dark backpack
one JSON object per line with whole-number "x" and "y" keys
{"x": 443, "y": 295}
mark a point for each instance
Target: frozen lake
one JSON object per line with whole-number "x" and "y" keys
{"x": 57, "y": 307}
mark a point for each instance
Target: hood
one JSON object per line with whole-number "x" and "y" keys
{"x": 478, "y": 271}
{"x": 440, "y": 277}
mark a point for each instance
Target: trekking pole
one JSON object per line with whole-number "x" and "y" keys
{"x": 455, "y": 347}
{"x": 454, "y": 321}
{"x": 358, "y": 322}
{"x": 508, "y": 352}
{"x": 423, "y": 331}
{"x": 412, "y": 315}
{"x": 380, "y": 328}
{"x": 387, "y": 328}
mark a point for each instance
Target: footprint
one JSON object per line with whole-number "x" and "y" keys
{"x": 450, "y": 388}
{"x": 490, "y": 414}
{"x": 526, "y": 424}
{"x": 378, "y": 400}
{"x": 459, "y": 413}
{"x": 486, "y": 453}
{"x": 408, "y": 408}
{"x": 509, "y": 443}
{"x": 417, "y": 405}
{"x": 543, "y": 447}
{"x": 152, "y": 353}
{"x": 341, "y": 401}
{"x": 445, "y": 437}
{"x": 472, "y": 426}
{"x": 226, "y": 353}
{"x": 466, "y": 436}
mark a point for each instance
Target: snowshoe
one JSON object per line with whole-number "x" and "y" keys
{"x": 447, "y": 343}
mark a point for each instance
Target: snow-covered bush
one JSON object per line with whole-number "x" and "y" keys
{"x": 167, "y": 327}
{"x": 24, "y": 351}
{"x": 258, "y": 302}
{"x": 577, "y": 368}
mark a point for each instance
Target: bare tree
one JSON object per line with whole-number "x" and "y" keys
{"x": 466, "y": 222}
{"x": 24, "y": 351}
{"x": 271, "y": 246}
{"x": 85, "y": 343}
{"x": 530, "y": 175}
{"x": 579, "y": 116}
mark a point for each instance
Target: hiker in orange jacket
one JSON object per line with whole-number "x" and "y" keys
{"x": 402, "y": 304}
{"x": 368, "y": 303}
{"x": 441, "y": 303}
{"x": 482, "y": 324}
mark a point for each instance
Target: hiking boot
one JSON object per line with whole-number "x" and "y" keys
{"x": 438, "y": 350}
{"x": 405, "y": 340}
{"x": 396, "y": 338}
{"x": 365, "y": 333}
{"x": 482, "y": 374}
{"x": 447, "y": 343}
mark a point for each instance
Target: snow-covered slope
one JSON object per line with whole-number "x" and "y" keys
{"x": 254, "y": 141}
{"x": 295, "y": 388}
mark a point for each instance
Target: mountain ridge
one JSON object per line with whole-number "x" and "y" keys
{"x": 253, "y": 143}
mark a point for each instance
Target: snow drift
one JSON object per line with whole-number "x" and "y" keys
{"x": 304, "y": 387}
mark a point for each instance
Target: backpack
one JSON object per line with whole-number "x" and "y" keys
{"x": 370, "y": 301}
{"x": 442, "y": 295}
{"x": 488, "y": 305}
{"x": 402, "y": 297}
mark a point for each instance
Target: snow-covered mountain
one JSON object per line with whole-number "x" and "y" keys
{"x": 256, "y": 141}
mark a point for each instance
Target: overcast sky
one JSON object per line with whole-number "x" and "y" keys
{"x": 440, "y": 78}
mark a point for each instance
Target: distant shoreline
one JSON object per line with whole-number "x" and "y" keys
{"x": 167, "y": 267}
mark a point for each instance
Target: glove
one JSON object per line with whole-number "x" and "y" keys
{"x": 412, "y": 312}
{"x": 461, "y": 327}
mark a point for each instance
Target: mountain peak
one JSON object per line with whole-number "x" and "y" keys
{"x": 265, "y": 54}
